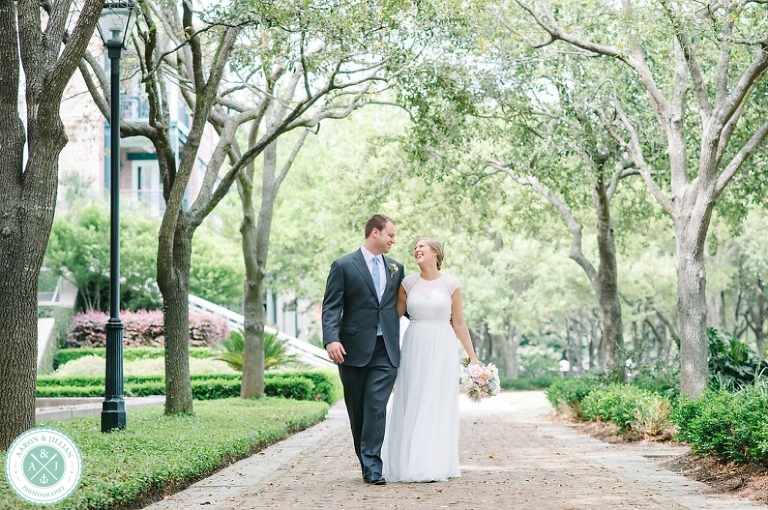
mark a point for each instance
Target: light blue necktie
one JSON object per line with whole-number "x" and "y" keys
{"x": 375, "y": 275}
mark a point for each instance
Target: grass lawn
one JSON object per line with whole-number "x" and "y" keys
{"x": 155, "y": 454}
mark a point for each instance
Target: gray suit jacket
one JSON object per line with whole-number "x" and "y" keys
{"x": 351, "y": 310}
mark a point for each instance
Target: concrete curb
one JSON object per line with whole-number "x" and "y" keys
{"x": 58, "y": 409}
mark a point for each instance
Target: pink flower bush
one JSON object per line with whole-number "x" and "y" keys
{"x": 144, "y": 329}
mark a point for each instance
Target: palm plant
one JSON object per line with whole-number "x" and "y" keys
{"x": 275, "y": 351}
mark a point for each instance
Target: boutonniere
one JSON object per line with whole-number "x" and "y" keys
{"x": 392, "y": 269}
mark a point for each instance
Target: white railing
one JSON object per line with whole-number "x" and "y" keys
{"x": 303, "y": 350}
{"x": 51, "y": 298}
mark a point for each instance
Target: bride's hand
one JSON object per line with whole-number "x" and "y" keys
{"x": 474, "y": 361}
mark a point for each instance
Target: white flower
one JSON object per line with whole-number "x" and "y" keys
{"x": 474, "y": 371}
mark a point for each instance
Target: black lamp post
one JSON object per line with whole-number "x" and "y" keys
{"x": 115, "y": 23}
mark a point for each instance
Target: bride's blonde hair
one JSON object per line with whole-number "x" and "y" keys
{"x": 436, "y": 246}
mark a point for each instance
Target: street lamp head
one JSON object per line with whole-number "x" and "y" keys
{"x": 116, "y": 22}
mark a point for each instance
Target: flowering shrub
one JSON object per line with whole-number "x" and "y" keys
{"x": 88, "y": 330}
{"x": 207, "y": 329}
{"x": 143, "y": 329}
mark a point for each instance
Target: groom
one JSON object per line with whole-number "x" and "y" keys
{"x": 361, "y": 332}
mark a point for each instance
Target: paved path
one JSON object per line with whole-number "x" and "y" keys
{"x": 511, "y": 457}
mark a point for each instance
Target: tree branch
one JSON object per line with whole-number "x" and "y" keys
{"x": 635, "y": 151}
{"x": 735, "y": 164}
{"x": 576, "y": 252}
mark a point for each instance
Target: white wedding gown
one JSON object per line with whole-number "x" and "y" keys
{"x": 421, "y": 443}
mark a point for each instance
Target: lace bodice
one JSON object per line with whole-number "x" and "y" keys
{"x": 429, "y": 300}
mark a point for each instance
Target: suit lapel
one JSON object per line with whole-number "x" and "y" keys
{"x": 389, "y": 274}
{"x": 365, "y": 273}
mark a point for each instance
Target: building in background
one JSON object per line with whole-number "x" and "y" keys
{"x": 84, "y": 165}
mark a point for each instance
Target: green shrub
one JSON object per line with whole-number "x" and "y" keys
{"x": 130, "y": 468}
{"x": 661, "y": 380}
{"x": 733, "y": 426}
{"x": 298, "y": 388}
{"x": 317, "y": 385}
{"x": 629, "y": 407}
{"x": 529, "y": 383}
{"x": 569, "y": 392}
{"x": 275, "y": 351}
{"x": 129, "y": 354}
{"x": 53, "y": 380}
{"x": 732, "y": 364}
{"x": 653, "y": 418}
{"x": 69, "y": 391}
{"x": 327, "y": 385}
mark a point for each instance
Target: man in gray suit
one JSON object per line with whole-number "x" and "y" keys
{"x": 361, "y": 332}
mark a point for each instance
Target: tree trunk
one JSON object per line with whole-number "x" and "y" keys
{"x": 691, "y": 298}
{"x": 608, "y": 286}
{"x": 27, "y": 205}
{"x": 256, "y": 249}
{"x": 578, "y": 337}
{"x": 512, "y": 365}
{"x": 28, "y": 195}
{"x": 662, "y": 342}
{"x": 174, "y": 287}
{"x": 255, "y": 241}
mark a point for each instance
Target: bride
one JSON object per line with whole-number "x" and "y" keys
{"x": 421, "y": 443}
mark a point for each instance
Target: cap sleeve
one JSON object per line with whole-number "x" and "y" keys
{"x": 451, "y": 283}
{"x": 409, "y": 282}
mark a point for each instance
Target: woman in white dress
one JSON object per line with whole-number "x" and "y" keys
{"x": 421, "y": 443}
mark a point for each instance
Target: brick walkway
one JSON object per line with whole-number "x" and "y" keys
{"x": 511, "y": 456}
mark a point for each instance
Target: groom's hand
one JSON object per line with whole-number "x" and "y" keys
{"x": 335, "y": 351}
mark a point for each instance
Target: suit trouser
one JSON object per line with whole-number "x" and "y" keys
{"x": 366, "y": 392}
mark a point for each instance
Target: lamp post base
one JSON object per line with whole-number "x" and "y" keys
{"x": 113, "y": 415}
{"x": 113, "y": 407}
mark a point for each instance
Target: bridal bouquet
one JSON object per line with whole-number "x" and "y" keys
{"x": 481, "y": 381}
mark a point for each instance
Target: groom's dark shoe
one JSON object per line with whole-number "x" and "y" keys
{"x": 375, "y": 480}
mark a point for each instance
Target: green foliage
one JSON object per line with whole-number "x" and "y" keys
{"x": 569, "y": 392}
{"x": 661, "y": 380}
{"x": 217, "y": 272}
{"x": 733, "y": 426}
{"x": 64, "y": 356}
{"x": 326, "y": 383}
{"x": 128, "y": 380}
{"x": 78, "y": 248}
{"x": 625, "y": 405}
{"x": 732, "y": 364}
{"x": 525, "y": 383}
{"x": 319, "y": 385}
{"x": 275, "y": 351}
{"x": 127, "y": 468}
{"x": 298, "y": 388}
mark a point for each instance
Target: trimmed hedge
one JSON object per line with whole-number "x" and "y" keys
{"x": 64, "y": 356}
{"x": 326, "y": 383}
{"x": 299, "y": 385}
{"x": 92, "y": 380}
